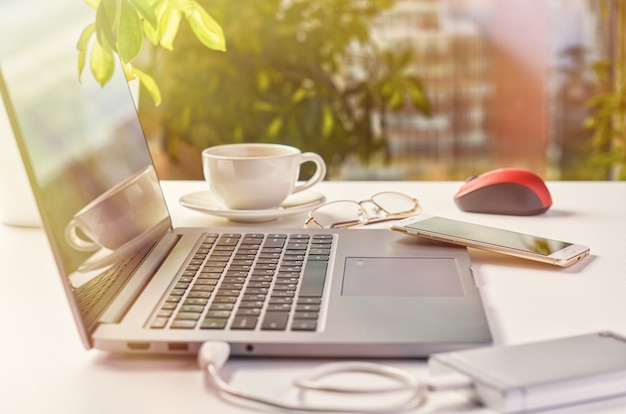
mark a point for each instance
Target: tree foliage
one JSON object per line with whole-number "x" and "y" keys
{"x": 608, "y": 121}
{"x": 302, "y": 72}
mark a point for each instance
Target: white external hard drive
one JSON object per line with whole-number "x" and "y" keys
{"x": 541, "y": 375}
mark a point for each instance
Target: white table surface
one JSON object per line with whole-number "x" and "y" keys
{"x": 45, "y": 369}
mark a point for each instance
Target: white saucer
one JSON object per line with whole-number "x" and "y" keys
{"x": 206, "y": 202}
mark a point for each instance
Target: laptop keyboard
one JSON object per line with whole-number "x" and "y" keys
{"x": 268, "y": 282}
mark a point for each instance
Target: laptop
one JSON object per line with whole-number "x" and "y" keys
{"x": 135, "y": 284}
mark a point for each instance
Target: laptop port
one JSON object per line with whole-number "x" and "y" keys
{"x": 138, "y": 346}
{"x": 174, "y": 346}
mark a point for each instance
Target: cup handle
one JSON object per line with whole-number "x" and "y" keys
{"x": 320, "y": 171}
{"x": 76, "y": 241}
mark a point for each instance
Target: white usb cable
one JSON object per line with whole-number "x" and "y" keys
{"x": 213, "y": 355}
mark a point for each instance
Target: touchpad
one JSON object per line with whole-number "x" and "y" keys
{"x": 401, "y": 276}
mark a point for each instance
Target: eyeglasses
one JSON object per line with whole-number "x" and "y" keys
{"x": 343, "y": 214}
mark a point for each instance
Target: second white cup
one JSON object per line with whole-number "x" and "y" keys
{"x": 120, "y": 215}
{"x": 257, "y": 176}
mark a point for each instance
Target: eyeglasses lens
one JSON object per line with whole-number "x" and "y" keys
{"x": 339, "y": 214}
{"x": 394, "y": 203}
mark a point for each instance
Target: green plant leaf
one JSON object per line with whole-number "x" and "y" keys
{"x": 128, "y": 71}
{"x": 102, "y": 63}
{"x": 153, "y": 33}
{"x": 385, "y": 88}
{"x": 405, "y": 59}
{"x": 274, "y": 127}
{"x": 129, "y": 32}
{"x": 146, "y": 11}
{"x": 266, "y": 107}
{"x": 93, "y": 3}
{"x": 104, "y": 30}
{"x": 150, "y": 85}
{"x": 168, "y": 27}
{"x": 263, "y": 81}
{"x": 396, "y": 100}
{"x": 82, "y": 45}
{"x": 298, "y": 95}
{"x": 206, "y": 29}
{"x": 420, "y": 100}
{"x": 600, "y": 99}
{"x": 328, "y": 121}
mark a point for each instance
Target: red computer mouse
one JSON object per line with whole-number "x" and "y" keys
{"x": 512, "y": 191}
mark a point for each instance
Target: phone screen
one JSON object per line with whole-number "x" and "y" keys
{"x": 491, "y": 235}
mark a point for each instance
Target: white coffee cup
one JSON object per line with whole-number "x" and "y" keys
{"x": 119, "y": 215}
{"x": 257, "y": 176}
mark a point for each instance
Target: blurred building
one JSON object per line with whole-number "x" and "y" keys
{"x": 451, "y": 57}
{"x": 509, "y": 82}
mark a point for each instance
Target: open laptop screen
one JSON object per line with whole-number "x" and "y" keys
{"x": 96, "y": 209}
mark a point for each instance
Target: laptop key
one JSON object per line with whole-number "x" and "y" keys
{"x": 287, "y": 280}
{"x": 224, "y": 299}
{"x": 284, "y": 286}
{"x": 244, "y": 322}
{"x": 304, "y": 307}
{"x": 251, "y": 304}
{"x": 183, "y": 324}
{"x": 253, "y": 297}
{"x": 300, "y": 236}
{"x": 228, "y": 292}
{"x": 306, "y": 315}
{"x": 196, "y": 301}
{"x": 309, "y": 301}
{"x": 222, "y": 306}
{"x": 248, "y": 312}
{"x": 275, "y": 321}
{"x": 218, "y": 314}
{"x": 276, "y": 300}
{"x": 192, "y": 308}
{"x": 290, "y": 269}
{"x": 313, "y": 279}
{"x": 256, "y": 291}
{"x": 206, "y": 281}
{"x": 228, "y": 241}
{"x": 283, "y": 293}
{"x": 174, "y": 298}
{"x": 159, "y": 323}
{"x": 304, "y": 325}
{"x": 274, "y": 243}
{"x": 279, "y": 307}
{"x": 296, "y": 246}
{"x": 202, "y": 288}
{"x": 322, "y": 236}
{"x": 213, "y": 323}
{"x": 199, "y": 295}
{"x": 189, "y": 316}
{"x": 323, "y": 252}
{"x": 318, "y": 258}
{"x": 265, "y": 266}
{"x": 263, "y": 260}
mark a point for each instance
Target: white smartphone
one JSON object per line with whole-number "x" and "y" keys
{"x": 522, "y": 245}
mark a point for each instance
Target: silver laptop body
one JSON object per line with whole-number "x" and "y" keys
{"x": 383, "y": 294}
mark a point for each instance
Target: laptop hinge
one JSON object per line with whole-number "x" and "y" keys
{"x": 142, "y": 275}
